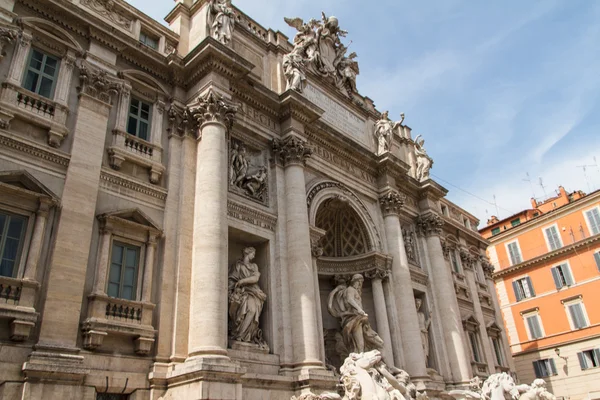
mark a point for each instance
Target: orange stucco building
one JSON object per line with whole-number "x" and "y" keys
{"x": 547, "y": 274}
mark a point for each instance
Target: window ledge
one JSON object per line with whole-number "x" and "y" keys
{"x": 126, "y": 147}
{"x": 17, "y": 297}
{"x": 108, "y": 315}
{"x": 31, "y": 107}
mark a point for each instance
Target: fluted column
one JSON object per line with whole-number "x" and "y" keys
{"x": 430, "y": 226}
{"x": 292, "y": 152}
{"x": 208, "y": 297}
{"x": 391, "y": 203}
{"x": 383, "y": 326}
{"x": 33, "y": 258}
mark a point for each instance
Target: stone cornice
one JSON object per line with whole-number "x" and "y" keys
{"x": 566, "y": 250}
{"x": 123, "y": 181}
{"x": 432, "y": 190}
{"x": 248, "y": 214}
{"x": 391, "y": 203}
{"x": 389, "y": 164}
{"x": 295, "y": 106}
{"x": 355, "y": 264}
{"x": 212, "y": 56}
{"x": 34, "y": 150}
{"x": 291, "y": 150}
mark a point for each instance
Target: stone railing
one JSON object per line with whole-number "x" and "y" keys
{"x": 126, "y": 147}
{"x": 23, "y": 104}
{"x": 109, "y": 315}
{"x": 17, "y": 298}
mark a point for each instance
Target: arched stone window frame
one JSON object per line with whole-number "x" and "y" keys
{"x": 130, "y": 148}
{"x": 19, "y": 102}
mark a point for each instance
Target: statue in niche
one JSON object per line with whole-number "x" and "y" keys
{"x": 244, "y": 176}
{"x": 384, "y": 132}
{"x": 424, "y": 162}
{"x": 345, "y": 303}
{"x": 409, "y": 245}
{"x": 424, "y": 324}
{"x": 221, "y": 20}
{"x": 246, "y": 300}
{"x": 317, "y": 46}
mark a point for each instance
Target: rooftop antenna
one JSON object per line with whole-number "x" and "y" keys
{"x": 496, "y": 205}
{"x": 528, "y": 179}
{"x": 543, "y": 187}
{"x": 584, "y": 167}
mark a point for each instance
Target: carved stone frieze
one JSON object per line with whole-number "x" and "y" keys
{"x": 354, "y": 264}
{"x": 107, "y": 9}
{"x": 98, "y": 84}
{"x": 212, "y": 107}
{"x": 430, "y": 224}
{"x": 247, "y": 214}
{"x": 291, "y": 150}
{"x": 248, "y": 172}
{"x": 391, "y": 203}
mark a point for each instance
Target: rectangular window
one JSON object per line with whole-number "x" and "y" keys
{"x": 515, "y": 222}
{"x": 544, "y": 368}
{"x": 589, "y": 358}
{"x": 454, "y": 260}
{"x": 41, "y": 73}
{"x": 593, "y": 217}
{"x": 553, "y": 238}
{"x": 597, "y": 258}
{"x": 498, "y": 351}
{"x": 514, "y": 253}
{"x": 523, "y": 288}
{"x": 148, "y": 41}
{"x": 122, "y": 279}
{"x": 474, "y": 346}
{"x": 138, "y": 123}
{"x": 534, "y": 326}
{"x": 577, "y": 315}
{"x": 562, "y": 275}
{"x": 495, "y": 231}
{"x": 12, "y": 232}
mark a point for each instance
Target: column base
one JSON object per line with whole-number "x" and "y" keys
{"x": 55, "y": 364}
{"x": 205, "y": 378}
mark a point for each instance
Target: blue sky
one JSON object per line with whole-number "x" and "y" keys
{"x": 497, "y": 89}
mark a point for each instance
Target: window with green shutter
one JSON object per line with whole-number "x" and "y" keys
{"x": 41, "y": 74}
{"x": 544, "y": 368}
{"x": 562, "y": 275}
{"x": 589, "y": 359}
{"x": 593, "y": 217}
{"x": 514, "y": 253}
{"x": 495, "y": 231}
{"x": 515, "y": 222}
{"x": 553, "y": 237}
{"x": 577, "y": 314}
{"x": 534, "y": 326}
{"x": 523, "y": 288}
{"x": 12, "y": 232}
{"x": 122, "y": 279}
{"x": 597, "y": 259}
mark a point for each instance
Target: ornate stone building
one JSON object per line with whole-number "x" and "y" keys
{"x": 212, "y": 211}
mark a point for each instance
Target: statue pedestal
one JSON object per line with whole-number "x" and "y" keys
{"x": 250, "y": 347}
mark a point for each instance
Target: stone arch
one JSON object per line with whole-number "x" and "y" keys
{"x": 146, "y": 79}
{"x": 51, "y": 29}
{"x": 327, "y": 192}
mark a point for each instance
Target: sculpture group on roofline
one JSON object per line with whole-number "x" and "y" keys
{"x": 220, "y": 20}
{"x": 318, "y": 47}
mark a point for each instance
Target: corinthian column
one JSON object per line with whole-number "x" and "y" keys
{"x": 414, "y": 357}
{"x": 208, "y": 297}
{"x": 430, "y": 226}
{"x": 292, "y": 152}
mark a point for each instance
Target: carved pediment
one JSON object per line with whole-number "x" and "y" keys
{"x": 22, "y": 179}
{"x": 470, "y": 322}
{"x": 131, "y": 216}
{"x": 50, "y": 30}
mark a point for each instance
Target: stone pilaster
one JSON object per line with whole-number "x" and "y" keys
{"x": 292, "y": 152}
{"x": 391, "y": 203}
{"x": 377, "y": 277}
{"x": 103, "y": 257}
{"x": 208, "y": 297}
{"x": 17, "y": 65}
{"x": 149, "y": 268}
{"x": 35, "y": 248}
{"x": 59, "y": 329}
{"x": 430, "y": 227}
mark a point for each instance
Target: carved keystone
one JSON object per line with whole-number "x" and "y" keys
{"x": 391, "y": 203}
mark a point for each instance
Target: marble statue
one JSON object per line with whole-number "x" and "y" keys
{"x": 499, "y": 386}
{"x": 253, "y": 184}
{"x": 537, "y": 391}
{"x": 246, "y": 300}
{"x": 366, "y": 377}
{"x": 221, "y": 20}
{"x": 318, "y": 47}
{"x": 409, "y": 244}
{"x": 384, "y": 132}
{"x": 424, "y": 162}
{"x": 312, "y": 396}
{"x": 345, "y": 303}
{"x": 424, "y": 324}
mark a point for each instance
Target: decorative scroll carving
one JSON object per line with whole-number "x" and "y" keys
{"x": 291, "y": 150}
{"x": 317, "y": 46}
{"x": 430, "y": 224}
{"x": 244, "y": 176}
{"x": 213, "y": 107}
{"x": 181, "y": 121}
{"x": 97, "y": 83}
{"x": 384, "y": 132}
{"x": 220, "y": 20}
{"x": 391, "y": 203}
{"x": 106, "y": 8}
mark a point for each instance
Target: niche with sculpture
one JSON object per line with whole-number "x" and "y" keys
{"x": 248, "y": 172}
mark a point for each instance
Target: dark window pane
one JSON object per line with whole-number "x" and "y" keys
{"x": 132, "y": 125}
{"x": 11, "y": 247}
{"x": 31, "y": 81}
{"x": 127, "y": 293}
{"x": 129, "y": 277}
{"x": 45, "y": 87}
{"x": 143, "y": 133}
{"x": 117, "y": 254}
{"x": 131, "y": 260}
{"x": 50, "y": 67}
{"x": 15, "y": 227}
{"x": 115, "y": 273}
{"x": 113, "y": 290}
{"x": 6, "y": 268}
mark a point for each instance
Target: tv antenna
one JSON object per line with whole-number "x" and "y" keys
{"x": 496, "y": 205}
{"x": 528, "y": 179}
{"x": 543, "y": 187}
{"x": 584, "y": 167}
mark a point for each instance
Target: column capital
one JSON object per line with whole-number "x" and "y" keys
{"x": 316, "y": 248}
{"x": 430, "y": 224}
{"x": 97, "y": 84}
{"x": 291, "y": 150}
{"x": 212, "y": 107}
{"x": 391, "y": 202}
{"x": 467, "y": 259}
{"x": 486, "y": 265}
{"x": 377, "y": 273}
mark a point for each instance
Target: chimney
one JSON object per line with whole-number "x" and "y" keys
{"x": 534, "y": 203}
{"x": 492, "y": 220}
{"x": 562, "y": 192}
